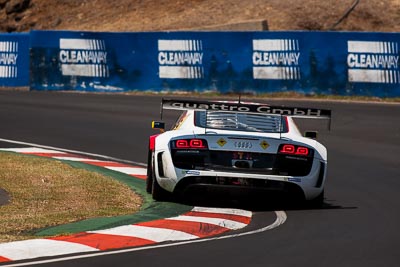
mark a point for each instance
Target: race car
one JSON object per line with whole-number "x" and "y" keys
{"x": 230, "y": 146}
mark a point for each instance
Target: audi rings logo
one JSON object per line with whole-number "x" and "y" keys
{"x": 243, "y": 144}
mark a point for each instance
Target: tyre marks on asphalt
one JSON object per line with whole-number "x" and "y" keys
{"x": 200, "y": 222}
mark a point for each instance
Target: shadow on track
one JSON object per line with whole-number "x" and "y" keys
{"x": 255, "y": 202}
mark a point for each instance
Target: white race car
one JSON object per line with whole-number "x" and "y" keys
{"x": 236, "y": 146}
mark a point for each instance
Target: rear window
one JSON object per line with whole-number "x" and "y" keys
{"x": 249, "y": 122}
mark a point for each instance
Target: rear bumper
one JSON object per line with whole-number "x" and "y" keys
{"x": 307, "y": 186}
{"x": 180, "y": 180}
{"x": 207, "y": 185}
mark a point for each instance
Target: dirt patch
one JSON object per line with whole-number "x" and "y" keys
{"x": 159, "y": 15}
{"x": 4, "y": 197}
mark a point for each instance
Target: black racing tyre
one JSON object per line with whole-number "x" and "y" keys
{"x": 159, "y": 193}
{"x": 318, "y": 202}
{"x": 149, "y": 179}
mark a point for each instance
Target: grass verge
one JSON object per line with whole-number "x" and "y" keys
{"x": 45, "y": 193}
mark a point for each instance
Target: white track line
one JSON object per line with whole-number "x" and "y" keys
{"x": 128, "y": 170}
{"x": 22, "y": 250}
{"x": 33, "y": 150}
{"x": 72, "y": 151}
{"x": 80, "y": 159}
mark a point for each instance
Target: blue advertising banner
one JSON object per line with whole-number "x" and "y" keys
{"x": 340, "y": 63}
{"x": 14, "y": 59}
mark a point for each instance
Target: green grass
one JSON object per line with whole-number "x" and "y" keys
{"x": 46, "y": 192}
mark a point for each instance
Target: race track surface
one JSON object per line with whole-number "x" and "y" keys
{"x": 358, "y": 225}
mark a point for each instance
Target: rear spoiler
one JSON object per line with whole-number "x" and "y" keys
{"x": 245, "y": 107}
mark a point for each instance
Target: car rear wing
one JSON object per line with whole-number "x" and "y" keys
{"x": 246, "y": 107}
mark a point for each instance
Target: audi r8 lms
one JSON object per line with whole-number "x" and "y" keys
{"x": 236, "y": 146}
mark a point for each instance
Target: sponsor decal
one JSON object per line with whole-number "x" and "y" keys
{"x": 296, "y": 158}
{"x": 276, "y": 59}
{"x": 193, "y": 172}
{"x": 373, "y": 62}
{"x": 180, "y": 59}
{"x": 264, "y": 145}
{"x": 221, "y": 142}
{"x": 217, "y": 106}
{"x": 83, "y": 57}
{"x": 8, "y": 59}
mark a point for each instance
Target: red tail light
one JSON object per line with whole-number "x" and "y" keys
{"x": 287, "y": 149}
{"x": 182, "y": 143}
{"x": 294, "y": 150}
{"x": 191, "y": 143}
{"x": 197, "y": 143}
{"x": 302, "y": 151}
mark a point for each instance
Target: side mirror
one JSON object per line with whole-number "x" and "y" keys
{"x": 311, "y": 134}
{"x": 158, "y": 125}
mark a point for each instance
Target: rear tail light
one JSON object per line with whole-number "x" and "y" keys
{"x": 294, "y": 150}
{"x": 303, "y": 151}
{"x": 190, "y": 144}
{"x": 197, "y": 143}
{"x": 287, "y": 149}
{"x": 181, "y": 143}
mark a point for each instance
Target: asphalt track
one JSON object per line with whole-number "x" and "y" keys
{"x": 358, "y": 225}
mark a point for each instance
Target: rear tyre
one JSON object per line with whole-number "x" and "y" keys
{"x": 159, "y": 193}
{"x": 318, "y": 202}
{"x": 149, "y": 179}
